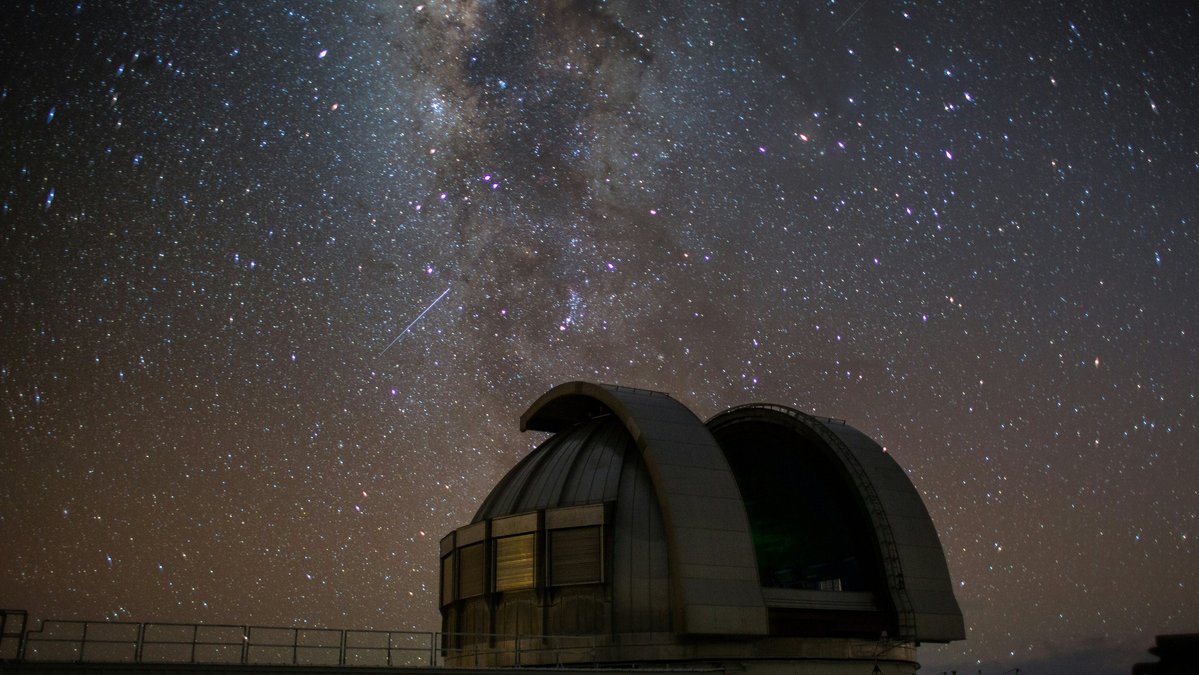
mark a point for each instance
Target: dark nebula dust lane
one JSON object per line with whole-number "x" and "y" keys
{"x": 277, "y": 280}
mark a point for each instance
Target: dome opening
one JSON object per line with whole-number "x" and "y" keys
{"x": 808, "y": 530}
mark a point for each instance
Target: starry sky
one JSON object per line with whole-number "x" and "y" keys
{"x": 278, "y": 278}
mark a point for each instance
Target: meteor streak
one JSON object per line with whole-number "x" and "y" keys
{"x": 418, "y": 318}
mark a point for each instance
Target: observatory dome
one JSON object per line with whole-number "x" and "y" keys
{"x": 638, "y": 534}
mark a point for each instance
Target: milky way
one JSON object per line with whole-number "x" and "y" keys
{"x": 970, "y": 231}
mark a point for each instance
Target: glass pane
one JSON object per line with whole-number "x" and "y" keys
{"x": 447, "y": 579}
{"x": 514, "y": 562}
{"x": 575, "y": 556}
{"x": 471, "y": 571}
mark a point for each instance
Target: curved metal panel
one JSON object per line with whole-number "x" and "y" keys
{"x": 579, "y": 467}
{"x": 918, "y": 578}
{"x": 714, "y": 576}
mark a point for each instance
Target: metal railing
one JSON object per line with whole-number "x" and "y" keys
{"x": 72, "y": 641}
{"x": 125, "y": 642}
{"x": 12, "y": 633}
{"x": 128, "y": 642}
{"x": 492, "y": 649}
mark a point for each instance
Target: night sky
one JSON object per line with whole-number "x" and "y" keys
{"x": 278, "y": 278}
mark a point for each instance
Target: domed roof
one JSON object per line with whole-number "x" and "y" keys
{"x": 825, "y": 501}
{"x": 582, "y": 465}
{"x": 764, "y": 523}
{"x": 713, "y": 578}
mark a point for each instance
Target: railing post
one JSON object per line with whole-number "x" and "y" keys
{"x": 295, "y": 645}
{"x": 341, "y": 652}
{"x": 82, "y": 642}
{"x": 245, "y": 645}
{"x": 141, "y": 641}
{"x": 195, "y": 636}
{"x": 22, "y": 637}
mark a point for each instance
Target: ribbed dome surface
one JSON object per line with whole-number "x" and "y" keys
{"x": 582, "y": 465}
{"x": 597, "y": 461}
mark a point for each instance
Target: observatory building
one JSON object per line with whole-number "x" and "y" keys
{"x": 635, "y": 539}
{"x": 764, "y": 540}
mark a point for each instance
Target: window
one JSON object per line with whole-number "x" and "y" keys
{"x": 830, "y": 585}
{"x": 514, "y": 562}
{"x": 470, "y": 570}
{"x": 447, "y": 579}
{"x": 576, "y": 555}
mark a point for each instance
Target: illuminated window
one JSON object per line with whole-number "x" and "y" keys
{"x": 576, "y": 555}
{"x": 514, "y": 562}
{"x": 470, "y": 571}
